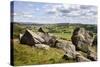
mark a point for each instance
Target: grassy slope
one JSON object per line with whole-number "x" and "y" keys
{"x": 26, "y": 55}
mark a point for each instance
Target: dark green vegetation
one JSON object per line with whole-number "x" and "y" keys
{"x": 26, "y": 55}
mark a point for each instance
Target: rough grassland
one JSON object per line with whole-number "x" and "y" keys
{"x": 26, "y": 55}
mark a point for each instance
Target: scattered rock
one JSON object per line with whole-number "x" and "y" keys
{"x": 42, "y": 46}
{"x": 68, "y": 48}
{"x": 81, "y": 58}
{"x": 68, "y": 57}
{"x": 92, "y": 55}
{"x": 82, "y": 39}
{"x": 50, "y": 40}
{"x": 41, "y": 37}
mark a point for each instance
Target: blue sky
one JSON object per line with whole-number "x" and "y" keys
{"x": 37, "y": 12}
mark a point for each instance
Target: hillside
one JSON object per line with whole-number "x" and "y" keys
{"x": 26, "y": 55}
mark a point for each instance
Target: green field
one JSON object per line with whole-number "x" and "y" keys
{"x": 62, "y": 31}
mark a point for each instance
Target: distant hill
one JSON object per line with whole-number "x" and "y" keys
{"x": 35, "y": 23}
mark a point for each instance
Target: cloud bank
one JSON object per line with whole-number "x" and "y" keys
{"x": 54, "y": 13}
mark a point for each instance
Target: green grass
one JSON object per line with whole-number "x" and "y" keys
{"x": 26, "y": 55}
{"x": 64, "y": 36}
{"x": 60, "y": 31}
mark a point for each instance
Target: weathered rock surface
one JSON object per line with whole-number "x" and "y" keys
{"x": 82, "y": 39}
{"x": 31, "y": 38}
{"x": 41, "y": 37}
{"x": 81, "y": 58}
{"x": 20, "y": 36}
{"x": 50, "y": 40}
{"x": 42, "y": 46}
{"x": 68, "y": 48}
{"x": 92, "y": 55}
{"x": 27, "y": 38}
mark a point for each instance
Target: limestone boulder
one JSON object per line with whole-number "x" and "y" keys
{"x": 40, "y": 37}
{"x": 30, "y": 38}
{"x": 82, "y": 39}
{"x": 49, "y": 40}
{"x": 68, "y": 48}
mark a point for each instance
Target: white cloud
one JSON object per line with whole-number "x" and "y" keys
{"x": 63, "y": 11}
{"x": 30, "y": 4}
{"x": 23, "y": 14}
{"x": 70, "y": 13}
{"x": 37, "y": 9}
{"x": 65, "y": 6}
{"x": 74, "y": 10}
{"x": 58, "y": 13}
{"x": 75, "y": 7}
{"x": 74, "y": 13}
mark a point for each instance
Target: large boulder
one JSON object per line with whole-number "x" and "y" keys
{"x": 68, "y": 48}
{"x": 49, "y": 39}
{"x": 82, "y": 39}
{"x": 40, "y": 37}
{"x": 37, "y": 37}
{"x": 30, "y": 38}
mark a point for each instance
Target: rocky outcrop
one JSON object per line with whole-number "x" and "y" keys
{"x": 81, "y": 58}
{"x": 31, "y": 38}
{"x": 92, "y": 55}
{"x": 41, "y": 37}
{"x": 82, "y": 39}
{"x": 27, "y": 38}
{"x": 50, "y": 40}
{"x": 68, "y": 48}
